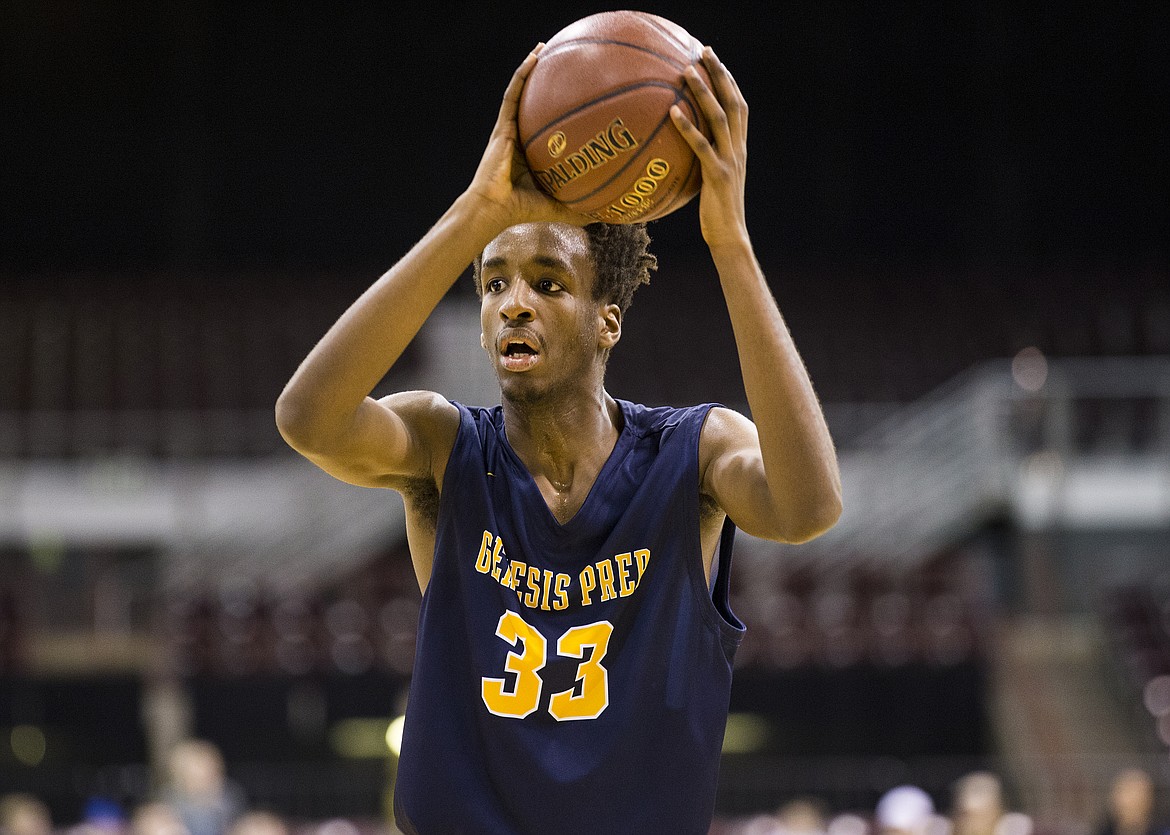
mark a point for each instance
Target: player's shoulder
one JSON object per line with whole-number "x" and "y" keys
{"x": 649, "y": 420}
{"x": 721, "y": 421}
{"x": 425, "y": 405}
{"x": 726, "y": 431}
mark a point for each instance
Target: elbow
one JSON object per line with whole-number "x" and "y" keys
{"x": 815, "y": 519}
{"x": 294, "y": 421}
{"x": 309, "y": 426}
{"x": 817, "y": 524}
{"x": 288, "y": 415}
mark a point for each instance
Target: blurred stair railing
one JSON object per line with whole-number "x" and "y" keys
{"x": 938, "y": 468}
{"x": 216, "y": 490}
{"x": 316, "y": 530}
{"x": 1062, "y": 735}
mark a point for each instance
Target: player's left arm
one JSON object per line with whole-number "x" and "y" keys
{"x": 776, "y": 478}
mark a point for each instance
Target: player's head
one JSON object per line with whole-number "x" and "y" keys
{"x": 621, "y": 258}
{"x": 551, "y": 304}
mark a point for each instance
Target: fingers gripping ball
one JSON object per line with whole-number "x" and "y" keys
{"x": 594, "y": 117}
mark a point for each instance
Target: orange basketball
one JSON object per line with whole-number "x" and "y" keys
{"x": 595, "y": 117}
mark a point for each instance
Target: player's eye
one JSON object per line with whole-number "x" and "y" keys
{"x": 547, "y": 285}
{"x": 495, "y": 285}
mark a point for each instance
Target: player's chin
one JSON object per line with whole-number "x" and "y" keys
{"x": 522, "y": 387}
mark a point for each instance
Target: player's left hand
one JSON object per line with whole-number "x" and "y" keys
{"x": 503, "y": 184}
{"x": 723, "y": 158}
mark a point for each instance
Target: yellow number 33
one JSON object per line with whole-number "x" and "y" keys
{"x": 524, "y": 697}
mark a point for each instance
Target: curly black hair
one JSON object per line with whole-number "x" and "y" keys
{"x": 621, "y": 262}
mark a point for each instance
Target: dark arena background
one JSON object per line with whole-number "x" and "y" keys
{"x": 962, "y": 210}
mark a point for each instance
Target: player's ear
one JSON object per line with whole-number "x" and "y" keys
{"x": 609, "y": 317}
{"x": 482, "y": 341}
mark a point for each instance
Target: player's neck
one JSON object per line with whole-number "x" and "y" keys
{"x": 556, "y": 438}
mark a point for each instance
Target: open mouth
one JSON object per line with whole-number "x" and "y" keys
{"x": 518, "y": 352}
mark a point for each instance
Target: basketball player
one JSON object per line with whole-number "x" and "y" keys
{"x": 575, "y": 641}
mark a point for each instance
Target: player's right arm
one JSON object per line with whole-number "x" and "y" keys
{"x": 325, "y": 412}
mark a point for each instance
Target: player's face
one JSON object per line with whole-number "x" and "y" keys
{"x": 541, "y": 326}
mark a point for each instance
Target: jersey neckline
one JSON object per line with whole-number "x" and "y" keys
{"x": 527, "y": 483}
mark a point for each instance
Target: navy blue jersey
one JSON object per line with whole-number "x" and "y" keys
{"x": 570, "y": 678}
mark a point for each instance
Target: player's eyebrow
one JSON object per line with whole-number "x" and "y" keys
{"x": 547, "y": 261}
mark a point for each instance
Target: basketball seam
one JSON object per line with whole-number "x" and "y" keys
{"x": 649, "y": 19}
{"x": 617, "y": 91}
{"x": 680, "y": 65}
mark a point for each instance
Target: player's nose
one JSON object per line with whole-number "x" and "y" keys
{"x": 517, "y": 302}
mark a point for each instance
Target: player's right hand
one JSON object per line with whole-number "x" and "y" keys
{"x": 722, "y": 215}
{"x": 502, "y": 182}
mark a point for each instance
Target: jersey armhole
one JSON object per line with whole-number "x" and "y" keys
{"x": 721, "y": 580}
{"x": 715, "y": 592}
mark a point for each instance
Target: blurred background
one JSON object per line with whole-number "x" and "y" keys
{"x": 963, "y": 212}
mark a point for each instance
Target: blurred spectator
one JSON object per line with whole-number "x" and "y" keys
{"x": 336, "y": 826}
{"x": 847, "y": 823}
{"x": 1131, "y": 805}
{"x": 759, "y": 825}
{"x": 978, "y": 804}
{"x": 259, "y": 823}
{"x": 204, "y": 799}
{"x": 905, "y": 810}
{"x": 156, "y": 819}
{"x": 23, "y": 814}
{"x": 102, "y": 816}
{"x": 802, "y": 816}
{"x": 978, "y": 808}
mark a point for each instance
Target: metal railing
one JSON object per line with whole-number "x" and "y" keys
{"x": 936, "y": 469}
